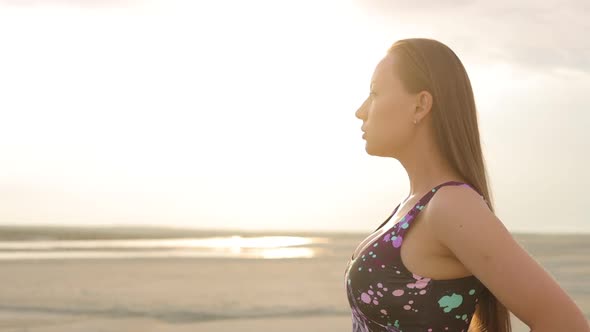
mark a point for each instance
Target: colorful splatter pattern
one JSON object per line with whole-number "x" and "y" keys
{"x": 385, "y": 296}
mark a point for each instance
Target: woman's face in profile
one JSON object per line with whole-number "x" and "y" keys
{"x": 387, "y": 113}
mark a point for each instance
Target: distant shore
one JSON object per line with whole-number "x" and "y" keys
{"x": 19, "y": 233}
{"x": 42, "y": 232}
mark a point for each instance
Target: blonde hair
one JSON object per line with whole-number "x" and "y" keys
{"x": 426, "y": 64}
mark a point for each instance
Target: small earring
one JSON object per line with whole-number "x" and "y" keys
{"x": 415, "y": 121}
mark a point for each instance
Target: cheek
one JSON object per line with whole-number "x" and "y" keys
{"x": 391, "y": 124}
{"x": 389, "y": 116}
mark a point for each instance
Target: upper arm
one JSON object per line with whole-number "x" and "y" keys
{"x": 462, "y": 221}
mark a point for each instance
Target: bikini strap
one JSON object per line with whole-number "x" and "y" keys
{"x": 411, "y": 215}
{"x": 405, "y": 222}
{"x": 386, "y": 220}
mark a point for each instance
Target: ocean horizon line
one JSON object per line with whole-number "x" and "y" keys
{"x": 4, "y": 227}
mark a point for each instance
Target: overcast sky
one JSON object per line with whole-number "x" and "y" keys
{"x": 240, "y": 114}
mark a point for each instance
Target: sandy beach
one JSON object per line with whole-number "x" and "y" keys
{"x": 187, "y": 294}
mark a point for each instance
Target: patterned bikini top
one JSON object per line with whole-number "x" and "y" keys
{"x": 385, "y": 296}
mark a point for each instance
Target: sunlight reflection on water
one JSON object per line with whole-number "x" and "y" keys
{"x": 266, "y": 247}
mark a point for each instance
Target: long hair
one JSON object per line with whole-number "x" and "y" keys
{"x": 427, "y": 64}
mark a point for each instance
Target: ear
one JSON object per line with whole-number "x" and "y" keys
{"x": 423, "y": 104}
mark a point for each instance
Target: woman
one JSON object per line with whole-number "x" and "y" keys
{"x": 442, "y": 261}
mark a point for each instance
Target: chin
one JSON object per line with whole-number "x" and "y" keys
{"x": 375, "y": 151}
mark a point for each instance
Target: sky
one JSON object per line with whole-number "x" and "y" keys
{"x": 240, "y": 114}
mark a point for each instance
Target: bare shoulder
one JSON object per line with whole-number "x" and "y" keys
{"x": 461, "y": 220}
{"x": 457, "y": 211}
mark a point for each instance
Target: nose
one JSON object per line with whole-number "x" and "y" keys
{"x": 359, "y": 112}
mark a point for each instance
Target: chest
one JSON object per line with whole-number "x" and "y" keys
{"x": 421, "y": 251}
{"x": 422, "y": 241}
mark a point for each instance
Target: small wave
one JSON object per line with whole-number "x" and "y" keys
{"x": 185, "y": 316}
